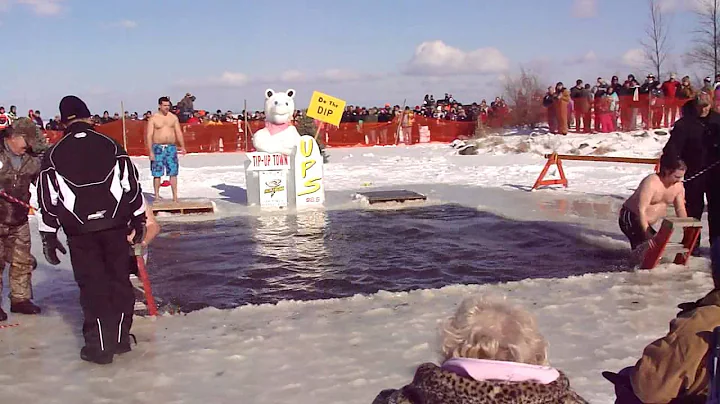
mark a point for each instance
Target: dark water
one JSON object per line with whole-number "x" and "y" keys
{"x": 328, "y": 254}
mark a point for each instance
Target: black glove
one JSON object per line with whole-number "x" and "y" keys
{"x": 51, "y": 245}
{"x": 138, "y": 224}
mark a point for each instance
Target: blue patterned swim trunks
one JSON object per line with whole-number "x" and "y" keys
{"x": 166, "y": 160}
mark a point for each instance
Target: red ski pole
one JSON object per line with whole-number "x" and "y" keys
{"x": 152, "y": 308}
{"x": 15, "y": 200}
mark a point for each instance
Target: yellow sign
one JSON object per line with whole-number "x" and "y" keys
{"x": 325, "y": 108}
{"x": 273, "y": 187}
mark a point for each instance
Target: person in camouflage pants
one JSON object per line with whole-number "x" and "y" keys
{"x": 20, "y": 150}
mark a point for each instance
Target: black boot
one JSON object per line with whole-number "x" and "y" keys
{"x": 3, "y": 315}
{"x": 96, "y": 356}
{"x": 124, "y": 345}
{"x": 25, "y": 307}
{"x": 100, "y": 340}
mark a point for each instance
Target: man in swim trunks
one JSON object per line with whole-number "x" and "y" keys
{"x": 163, "y": 133}
{"x": 650, "y": 201}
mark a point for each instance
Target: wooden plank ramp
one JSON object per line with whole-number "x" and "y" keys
{"x": 183, "y": 206}
{"x": 685, "y": 221}
{"x": 400, "y": 195}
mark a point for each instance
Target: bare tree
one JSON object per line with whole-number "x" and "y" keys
{"x": 524, "y": 94}
{"x": 655, "y": 45}
{"x": 707, "y": 36}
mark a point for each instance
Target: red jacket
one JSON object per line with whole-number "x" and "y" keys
{"x": 669, "y": 88}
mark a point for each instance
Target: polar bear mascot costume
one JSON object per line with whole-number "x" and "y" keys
{"x": 278, "y": 136}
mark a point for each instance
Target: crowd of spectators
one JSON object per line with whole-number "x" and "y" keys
{"x": 622, "y": 106}
{"x": 7, "y": 117}
{"x": 604, "y": 106}
{"x": 446, "y": 108}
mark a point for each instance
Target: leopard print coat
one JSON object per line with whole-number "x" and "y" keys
{"x": 433, "y": 385}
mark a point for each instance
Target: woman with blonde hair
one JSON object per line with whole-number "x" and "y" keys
{"x": 492, "y": 352}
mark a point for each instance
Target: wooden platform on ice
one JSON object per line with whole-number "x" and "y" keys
{"x": 400, "y": 195}
{"x": 684, "y": 221}
{"x": 183, "y": 206}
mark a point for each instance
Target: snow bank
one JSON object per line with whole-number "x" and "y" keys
{"x": 646, "y": 144}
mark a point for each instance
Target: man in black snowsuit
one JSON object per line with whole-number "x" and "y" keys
{"x": 89, "y": 187}
{"x": 689, "y": 140}
{"x": 712, "y": 182}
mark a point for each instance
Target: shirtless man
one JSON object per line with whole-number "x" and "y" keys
{"x": 163, "y": 133}
{"x": 650, "y": 201}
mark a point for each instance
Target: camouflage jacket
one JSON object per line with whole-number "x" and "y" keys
{"x": 16, "y": 183}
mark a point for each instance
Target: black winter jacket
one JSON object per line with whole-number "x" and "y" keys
{"x": 87, "y": 184}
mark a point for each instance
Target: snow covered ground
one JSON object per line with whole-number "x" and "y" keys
{"x": 347, "y": 350}
{"x": 641, "y": 143}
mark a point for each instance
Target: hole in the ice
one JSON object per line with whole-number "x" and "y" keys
{"x": 329, "y": 254}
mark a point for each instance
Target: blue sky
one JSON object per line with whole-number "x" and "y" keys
{"x": 368, "y": 52}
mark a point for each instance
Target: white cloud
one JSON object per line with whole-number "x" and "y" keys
{"x": 669, "y": 6}
{"x": 235, "y": 79}
{"x": 584, "y": 8}
{"x": 124, "y": 24}
{"x": 435, "y": 58}
{"x": 229, "y": 79}
{"x": 43, "y": 7}
{"x": 293, "y": 76}
{"x": 129, "y": 24}
{"x": 589, "y": 57}
{"x": 97, "y": 90}
{"x": 634, "y": 58}
{"x": 344, "y": 76}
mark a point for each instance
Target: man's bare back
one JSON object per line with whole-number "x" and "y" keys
{"x": 650, "y": 201}
{"x": 164, "y": 128}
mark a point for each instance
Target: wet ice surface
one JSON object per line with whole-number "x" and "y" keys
{"x": 339, "y": 350}
{"x": 347, "y": 350}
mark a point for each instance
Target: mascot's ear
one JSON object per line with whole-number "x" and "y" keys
{"x": 290, "y": 93}
{"x": 269, "y": 93}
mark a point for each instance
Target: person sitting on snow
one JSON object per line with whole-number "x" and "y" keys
{"x": 492, "y": 353}
{"x": 673, "y": 369}
{"x": 649, "y": 203}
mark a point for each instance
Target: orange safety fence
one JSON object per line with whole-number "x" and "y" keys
{"x": 230, "y": 137}
{"x": 206, "y": 138}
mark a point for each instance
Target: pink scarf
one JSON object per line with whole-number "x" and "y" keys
{"x": 483, "y": 369}
{"x": 275, "y": 128}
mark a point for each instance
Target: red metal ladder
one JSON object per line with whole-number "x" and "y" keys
{"x": 662, "y": 245}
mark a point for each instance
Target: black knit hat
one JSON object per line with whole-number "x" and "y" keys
{"x": 71, "y": 108}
